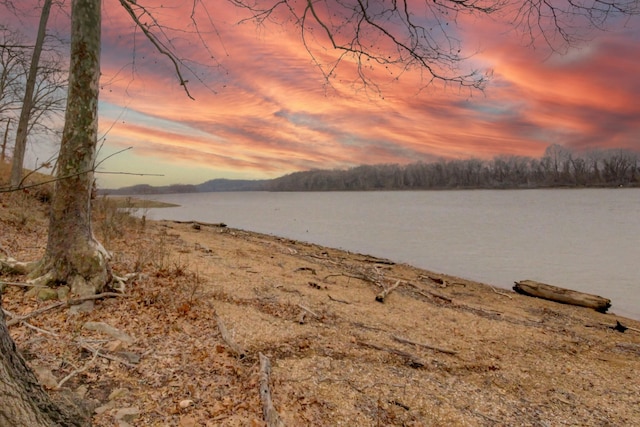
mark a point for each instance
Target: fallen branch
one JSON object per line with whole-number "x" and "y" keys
{"x": 382, "y": 295}
{"x": 270, "y": 414}
{"x": 34, "y": 313}
{"x": 360, "y": 276}
{"x": 226, "y": 337}
{"x": 96, "y": 351}
{"x": 29, "y": 325}
{"x": 23, "y": 285}
{"x": 42, "y": 331}
{"x": 68, "y": 303}
{"x": 76, "y": 372}
{"x": 414, "y": 361}
{"x": 620, "y": 327}
{"x": 430, "y": 347}
{"x": 430, "y": 294}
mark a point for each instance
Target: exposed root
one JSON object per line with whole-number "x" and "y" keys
{"x": 11, "y": 266}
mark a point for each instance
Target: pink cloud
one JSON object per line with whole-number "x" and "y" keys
{"x": 269, "y": 111}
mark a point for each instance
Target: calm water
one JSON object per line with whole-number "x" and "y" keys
{"x": 587, "y": 240}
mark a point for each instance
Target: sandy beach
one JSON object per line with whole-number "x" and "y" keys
{"x": 203, "y": 302}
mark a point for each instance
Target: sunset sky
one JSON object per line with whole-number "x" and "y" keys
{"x": 265, "y": 110}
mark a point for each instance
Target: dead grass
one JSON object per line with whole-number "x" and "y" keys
{"x": 335, "y": 361}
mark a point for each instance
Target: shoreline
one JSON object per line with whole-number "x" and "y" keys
{"x": 439, "y": 350}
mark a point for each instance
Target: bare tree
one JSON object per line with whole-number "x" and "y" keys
{"x": 47, "y": 95}
{"x": 73, "y": 255}
{"x": 23, "y": 123}
{"x": 12, "y": 68}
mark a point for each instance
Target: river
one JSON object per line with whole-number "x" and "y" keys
{"x": 587, "y": 239}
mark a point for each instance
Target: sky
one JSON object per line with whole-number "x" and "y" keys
{"x": 263, "y": 108}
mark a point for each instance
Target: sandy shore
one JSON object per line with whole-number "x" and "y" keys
{"x": 438, "y": 351}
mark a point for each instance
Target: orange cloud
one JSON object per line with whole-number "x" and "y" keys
{"x": 263, "y": 107}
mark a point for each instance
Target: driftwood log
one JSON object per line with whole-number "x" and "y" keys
{"x": 271, "y": 416}
{"x": 562, "y": 295}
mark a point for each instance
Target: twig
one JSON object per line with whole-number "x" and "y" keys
{"x": 105, "y": 355}
{"x": 34, "y": 313}
{"x": 270, "y": 414}
{"x": 414, "y": 361}
{"x": 338, "y": 300}
{"x": 76, "y": 372}
{"x": 226, "y": 337}
{"x": 430, "y": 347}
{"x": 382, "y": 295}
{"x": 500, "y": 293}
{"x": 308, "y": 310}
{"x": 359, "y": 276}
{"x": 35, "y": 328}
{"x": 29, "y": 325}
{"x": 429, "y": 294}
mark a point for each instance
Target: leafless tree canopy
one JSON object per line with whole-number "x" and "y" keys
{"x": 48, "y": 96}
{"x": 423, "y": 34}
{"x": 381, "y": 38}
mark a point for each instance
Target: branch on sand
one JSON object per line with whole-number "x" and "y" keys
{"x": 68, "y": 303}
{"x": 235, "y": 348}
{"x": 270, "y": 414}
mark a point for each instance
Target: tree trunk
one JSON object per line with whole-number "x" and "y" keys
{"x": 24, "y": 402}
{"x": 73, "y": 255}
{"x": 23, "y": 123}
{"x": 4, "y": 141}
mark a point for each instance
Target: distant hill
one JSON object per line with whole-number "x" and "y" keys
{"x": 559, "y": 167}
{"x": 233, "y": 185}
{"x": 209, "y": 186}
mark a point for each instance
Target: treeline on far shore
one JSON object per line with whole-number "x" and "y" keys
{"x": 558, "y": 167}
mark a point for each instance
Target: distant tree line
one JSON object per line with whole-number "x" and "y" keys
{"x": 558, "y": 167}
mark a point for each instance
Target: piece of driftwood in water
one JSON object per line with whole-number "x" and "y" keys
{"x": 562, "y": 295}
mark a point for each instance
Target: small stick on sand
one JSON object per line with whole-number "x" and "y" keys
{"x": 430, "y": 347}
{"x": 226, "y": 337}
{"x": 382, "y": 295}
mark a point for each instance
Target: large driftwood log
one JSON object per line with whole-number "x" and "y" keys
{"x": 562, "y": 295}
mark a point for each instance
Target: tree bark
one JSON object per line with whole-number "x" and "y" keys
{"x": 4, "y": 141}
{"x": 73, "y": 255}
{"x": 23, "y": 123}
{"x": 24, "y": 402}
